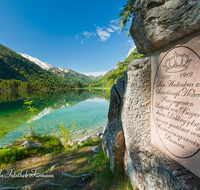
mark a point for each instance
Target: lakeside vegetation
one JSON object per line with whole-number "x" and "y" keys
{"x": 55, "y": 157}
{"x": 17, "y": 85}
{"x": 74, "y": 168}
{"x": 52, "y": 155}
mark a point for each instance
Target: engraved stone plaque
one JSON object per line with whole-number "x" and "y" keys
{"x": 176, "y": 102}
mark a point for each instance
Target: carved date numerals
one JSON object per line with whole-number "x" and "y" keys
{"x": 184, "y": 75}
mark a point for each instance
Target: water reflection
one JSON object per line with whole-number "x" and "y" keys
{"x": 53, "y": 108}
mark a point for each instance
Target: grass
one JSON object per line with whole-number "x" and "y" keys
{"x": 72, "y": 161}
{"x": 16, "y": 152}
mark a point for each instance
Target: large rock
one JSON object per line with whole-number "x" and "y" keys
{"x": 79, "y": 141}
{"x": 157, "y": 23}
{"x": 127, "y": 140}
{"x": 113, "y": 135}
{"x": 28, "y": 144}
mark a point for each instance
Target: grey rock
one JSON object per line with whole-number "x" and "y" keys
{"x": 127, "y": 140}
{"x": 99, "y": 134}
{"x": 113, "y": 139}
{"x": 157, "y": 23}
{"x": 27, "y": 143}
{"x": 96, "y": 149}
{"x": 79, "y": 141}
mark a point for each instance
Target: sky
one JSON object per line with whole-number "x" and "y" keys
{"x": 81, "y": 35}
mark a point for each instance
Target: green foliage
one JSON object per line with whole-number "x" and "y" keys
{"x": 66, "y": 133}
{"x": 31, "y": 112}
{"x": 15, "y": 152}
{"x": 53, "y": 144}
{"x": 106, "y": 178}
{"x": 9, "y": 155}
{"x": 15, "y": 67}
{"x": 100, "y": 160}
{"x": 91, "y": 142}
{"x": 111, "y": 77}
{"x": 4, "y": 130}
{"x": 17, "y": 85}
{"x": 126, "y": 13}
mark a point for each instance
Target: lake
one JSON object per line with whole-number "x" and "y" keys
{"x": 89, "y": 109}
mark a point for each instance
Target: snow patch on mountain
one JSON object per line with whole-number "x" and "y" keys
{"x": 62, "y": 69}
{"x": 43, "y": 65}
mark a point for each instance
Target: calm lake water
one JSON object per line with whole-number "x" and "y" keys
{"x": 89, "y": 109}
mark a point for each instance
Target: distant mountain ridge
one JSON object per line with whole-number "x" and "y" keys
{"x": 43, "y": 65}
{"x": 62, "y": 72}
{"x": 29, "y": 69}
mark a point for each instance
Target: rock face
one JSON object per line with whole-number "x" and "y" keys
{"x": 126, "y": 138}
{"x": 157, "y": 23}
{"x": 113, "y": 137}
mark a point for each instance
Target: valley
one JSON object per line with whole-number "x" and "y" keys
{"x": 23, "y": 72}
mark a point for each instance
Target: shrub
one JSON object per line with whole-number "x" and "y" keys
{"x": 66, "y": 133}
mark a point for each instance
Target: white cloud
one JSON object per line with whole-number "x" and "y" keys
{"x": 87, "y": 34}
{"x": 110, "y": 30}
{"x": 104, "y": 35}
{"x": 96, "y": 73}
{"x": 76, "y": 36}
{"x": 115, "y": 27}
{"x": 114, "y": 21}
{"x": 103, "y": 32}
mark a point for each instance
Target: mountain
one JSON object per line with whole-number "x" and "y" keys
{"x": 118, "y": 71}
{"x": 70, "y": 75}
{"x": 43, "y": 65}
{"x": 130, "y": 51}
{"x": 14, "y": 66}
{"x": 26, "y": 68}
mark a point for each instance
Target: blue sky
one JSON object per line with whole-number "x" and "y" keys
{"x": 81, "y": 35}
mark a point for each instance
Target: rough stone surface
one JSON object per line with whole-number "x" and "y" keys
{"x": 79, "y": 141}
{"x": 157, "y": 23}
{"x": 96, "y": 149}
{"x": 113, "y": 137}
{"x": 99, "y": 134}
{"x": 126, "y": 137}
{"x": 27, "y": 143}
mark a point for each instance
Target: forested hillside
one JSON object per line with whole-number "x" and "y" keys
{"x": 119, "y": 71}
{"x": 16, "y": 67}
{"x": 72, "y": 76}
